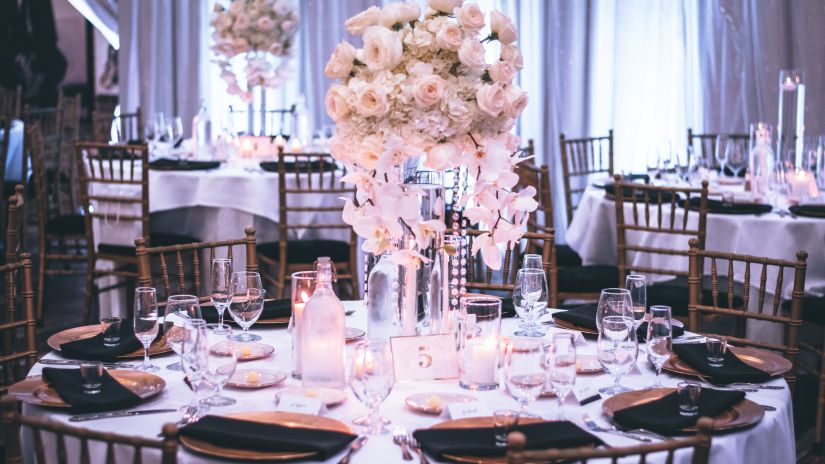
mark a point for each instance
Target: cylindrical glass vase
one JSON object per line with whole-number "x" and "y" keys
{"x": 478, "y": 342}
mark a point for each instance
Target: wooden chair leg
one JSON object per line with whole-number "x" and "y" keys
{"x": 90, "y": 290}
{"x": 280, "y": 279}
{"x": 41, "y": 281}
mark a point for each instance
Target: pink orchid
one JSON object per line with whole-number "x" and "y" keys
{"x": 406, "y": 257}
{"x": 489, "y": 251}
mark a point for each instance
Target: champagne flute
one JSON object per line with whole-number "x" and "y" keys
{"x": 223, "y": 359}
{"x": 561, "y": 367}
{"x": 247, "y": 303}
{"x": 146, "y": 322}
{"x": 176, "y": 131}
{"x": 530, "y": 300}
{"x": 221, "y": 278}
{"x": 524, "y": 372}
{"x": 372, "y": 379}
{"x": 721, "y": 144}
{"x": 613, "y": 302}
{"x": 653, "y": 163}
{"x": 195, "y": 360}
{"x": 659, "y": 339}
{"x": 635, "y": 284}
{"x": 616, "y": 349}
{"x": 179, "y": 309}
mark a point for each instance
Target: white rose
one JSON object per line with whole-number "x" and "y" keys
{"x": 445, "y": 6}
{"x": 240, "y": 45}
{"x": 503, "y": 27}
{"x": 511, "y": 54}
{"x": 282, "y": 7}
{"x": 264, "y": 23}
{"x": 517, "y": 101}
{"x": 420, "y": 38}
{"x": 470, "y": 17}
{"x": 276, "y": 49}
{"x": 370, "y": 101}
{"x": 340, "y": 63}
{"x": 369, "y": 151}
{"x": 449, "y": 36}
{"x": 360, "y": 22}
{"x": 399, "y": 13}
{"x": 336, "y": 102}
{"x": 382, "y": 48}
{"x": 502, "y": 71}
{"x": 410, "y": 12}
{"x": 428, "y": 90}
{"x": 442, "y": 156}
{"x": 492, "y": 99}
{"x": 471, "y": 53}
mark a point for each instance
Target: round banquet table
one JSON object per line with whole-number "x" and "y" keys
{"x": 770, "y": 440}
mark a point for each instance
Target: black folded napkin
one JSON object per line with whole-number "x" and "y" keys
{"x": 585, "y": 316}
{"x": 718, "y": 207}
{"x": 814, "y": 211}
{"x": 480, "y": 441}
{"x": 242, "y": 434}
{"x": 272, "y": 309}
{"x": 732, "y": 371}
{"x": 93, "y": 348}
{"x": 675, "y": 331}
{"x": 166, "y": 164}
{"x": 299, "y": 166}
{"x": 628, "y": 193}
{"x": 69, "y": 384}
{"x": 663, "y": 415}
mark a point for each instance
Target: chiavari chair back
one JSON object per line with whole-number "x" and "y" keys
{"x": 538, "y": 177}
{"x": 179, "y": 267}
{"x": 309, "y": 188}
{"x": 66, "y": 185}
{"x": 750, "y": 267}
{"x": 17, "y": 323}
{"x": 580, "y": 159}
{"x": 14, "y": 226}
{"x": 11, "y": 102}
{"x": 665, "y": 451}
{"x": 89, "y": 444}
{"x": 129, "y": 127}
{"x": 704, "y": 145}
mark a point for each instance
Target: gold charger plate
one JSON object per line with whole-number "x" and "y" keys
{"x": 434, "y": 403}
{"x": 588, "y": 364}
{"x": 474, "y": 422}
{"x": 763, "y": 360}
{"x": 253, "y": 379}
{"x": 285, "y": 419}
{"x": 158, "y": 346}
{"x": 247, "y": 351}
{"x": 742, "y": 414}
{"x": 35, "y": 390}
{"x": 570, "y": 326}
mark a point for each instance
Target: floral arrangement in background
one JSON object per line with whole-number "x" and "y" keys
{"x": 259, "y": 30}
{"x": 421, "y": 91}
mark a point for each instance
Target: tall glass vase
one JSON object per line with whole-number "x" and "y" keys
{"x": 791, "y": 117}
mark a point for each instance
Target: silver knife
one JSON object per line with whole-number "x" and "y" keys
{"x": 69, "y": 362}
{"x": 108, "y": 415}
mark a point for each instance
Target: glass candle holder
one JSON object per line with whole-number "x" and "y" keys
{"x": 479, "y": 335}
{"x": 303, "y": 286}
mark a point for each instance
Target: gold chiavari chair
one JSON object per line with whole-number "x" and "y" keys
{"x": 303, "y": 180}
{"x": 67, "y": 184}
{"x": 130, "y": 126}
{"x": 704, "y": 145}
{"x": 14, "y": 226}
{"x": 114, "y": 183}
{"x": 580, "y": 159}
{"x": 17, "y": 322}
{"x": 664, "y": 451}
{"x": 174, "y": 259}
{"x": 724, "y": 304}
{"x": 88, "y": 449}
{"x": 11, "y": 102}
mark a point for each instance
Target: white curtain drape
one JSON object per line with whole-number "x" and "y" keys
{"x": 103, "y": 16}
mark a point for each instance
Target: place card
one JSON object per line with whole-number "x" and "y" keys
{"x": 586, "y": 394}
{"x": 424, "y": 357}
{"x": 300, "y": 404}
{"x": 469, "y": 409}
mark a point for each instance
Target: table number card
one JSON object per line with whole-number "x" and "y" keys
{"x": 300, "y": 404}
{"x": 424, "y": 357}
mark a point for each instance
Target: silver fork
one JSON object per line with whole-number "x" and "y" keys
{"x": 640, "y": 430}
{"x": 413, "y": 443}
{"x": 727, "y": 387}
{"x": 399, "y": 437}
{"x": 592, "y": 425}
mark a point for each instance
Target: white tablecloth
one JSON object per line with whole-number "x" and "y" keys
{"x": 771, "y": 440}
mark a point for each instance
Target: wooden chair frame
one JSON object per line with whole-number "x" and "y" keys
{"x": 16, "y": 319}
{"x": 14, "y": 226}
{"x": 11, "y": 102}
{"x": 701, "y": 443}
{"x": 791, "y": 322}
{"x": 707, "y": 144}
{"x": 580, "y": 158}
{"x": 13, "y": 421}
{"x": 131, "y": 126}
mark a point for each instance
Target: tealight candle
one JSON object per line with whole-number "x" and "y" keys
{"x": 482, "y": 359}
{"x": 252, "y": 377}
{"x": 246, "y": 351}
{"x": 311, "y": 393}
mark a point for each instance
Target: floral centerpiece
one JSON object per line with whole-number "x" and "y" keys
{"x": 258, "y": 30}
{"x": 421, "y": 92}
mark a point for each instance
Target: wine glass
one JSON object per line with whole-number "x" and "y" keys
{"x": 223, "y": 359}
{"x": 247, "y": 303}
{"x": 372, "y": 379}
{"x": 667, "y": 157}
{"x": 176, "y": 131}
{"x": 736, "y": 158}
{"x": 653, "y": 162}
{"x": 561, "y": 367}
{"x": 616, "y": 349}
{"x": 635, "y": 284}
{"x": 221, "y": 278}
{"x": 524, "y": 372}
{"x": 614, "y": 302}
{"x": 195, "y": 360}
{"x": 179, "y": 309}
{"x": 530, "y": 300}
{"x": 659, "y": 339}
{"x": 721, "y": 143}
{"x": 532, "y": 261}
{"x": 146, "y": 322}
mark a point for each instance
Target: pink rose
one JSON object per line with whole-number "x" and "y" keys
{"x": 370, "y": 101}
{"x": 382, "y": 48}
{"x": 336, "y": 102}
{"x": 240, "y": 45}
{"x": 470, "y": 17}
{"x": 445, "y": 6}
{"x": 502, "y": 71}
{"x": 442, "y": 156}
{"x": 223, "y": 22}
{"x": 241, "y": 23}
{"x": 369, "y": 151}
{"x": 360, "y": 22}
{"x": 492, "y": 99}
{"x": 516, "y": 101}
{"x": 410, "y": 12}
{"x": 449, "y": 36}
{"x": 511, "y": 54}
{"x": 289, "y": 26}
{"x": 428, "y": 90}
{"x": 236, "y": 7}
{"x": 340, "y": 63}
{"x": 503, "y": 27}
{"x": 399, "y": 13}
{"x": 471, "y": 54}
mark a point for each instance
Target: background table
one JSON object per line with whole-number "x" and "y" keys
{"x": 771, "y": 440}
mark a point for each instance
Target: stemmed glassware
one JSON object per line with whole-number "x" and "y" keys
{"x": 176, "y": 131}
{"x": 659, "y": 339}
{"x": 720, "y": 155}
{"x": 736, "y": 156}
{"x": 530, "y": 300}
{"x": 146, "y": 322}
{"x": 179, "y": 310}
{"x": 653, "y": 163}
{"x": 614, "y": 302}
{"x": 247, "y": 303}
{"x": 195, "y": 360}
{"x": 372, "y": 379}
{"x": 561, "y": 367}
{"x": 635, "y": 284}
{"x": 617, "y": 348}
{"x": 221, "y": 278}
{"x": 524, "y": 371}
{"x": 223, "y": 359}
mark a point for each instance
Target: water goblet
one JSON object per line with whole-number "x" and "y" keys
{"x": 561, "y": 367}
{"x": 614, "y": 302}
{"x": 616, "y": 349}
{"x": 146, "y": 322}
{"x": 659, "y": 339}
{"x": 530, "y": 300}
{"x": 372, "y": 379}
{"x": 247, "y": 303}
{"x": 221, "y": 278}
{"x": 223, "y": 359}
{"x": 179, "y": 309}
{"x": 524, "y": 373}
{"x": 195, "y": 361}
